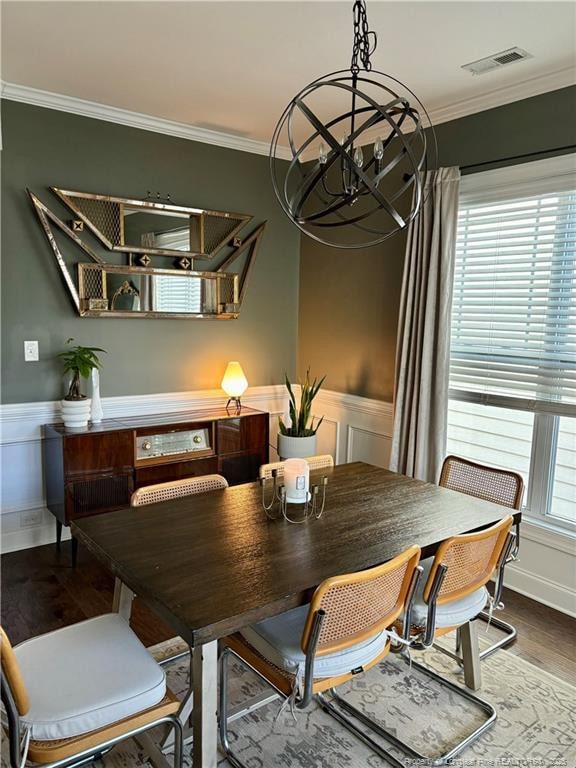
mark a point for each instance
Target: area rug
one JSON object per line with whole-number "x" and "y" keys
{"x": 536, "y": 726}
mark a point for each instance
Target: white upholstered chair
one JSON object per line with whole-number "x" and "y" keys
{"x": 322, "y": 461}
{"x": 72, "y": 694}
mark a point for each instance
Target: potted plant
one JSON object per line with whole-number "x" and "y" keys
{"x": 79, "y": 361}
{"x": 299, "y": 439}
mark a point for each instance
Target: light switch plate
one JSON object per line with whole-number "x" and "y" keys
{"x": 31, "y": 351}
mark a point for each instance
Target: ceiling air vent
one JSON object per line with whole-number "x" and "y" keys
{"x": 497, "y": 60}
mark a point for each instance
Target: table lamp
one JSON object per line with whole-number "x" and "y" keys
{"x": 234, "y": 383}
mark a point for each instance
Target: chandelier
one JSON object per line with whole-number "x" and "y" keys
{"x": 353, "y": 179}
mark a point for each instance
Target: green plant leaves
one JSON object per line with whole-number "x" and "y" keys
{"x": 80, "y": 361}
{"x": 301, "y": 422}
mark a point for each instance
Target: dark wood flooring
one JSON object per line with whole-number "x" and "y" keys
{"x": 42, "y": 592}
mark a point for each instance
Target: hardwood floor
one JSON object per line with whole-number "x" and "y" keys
{"x": 42, "y": 592}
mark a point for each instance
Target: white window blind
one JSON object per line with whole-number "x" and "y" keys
{"x": 174, "y": 293}
{"x": 177, "y": 294}
{"x": 513, "y": 333}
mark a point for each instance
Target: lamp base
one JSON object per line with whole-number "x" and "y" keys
{"x": 235, "y": 403}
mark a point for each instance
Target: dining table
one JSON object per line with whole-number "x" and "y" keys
{"x": 213, "y": 563}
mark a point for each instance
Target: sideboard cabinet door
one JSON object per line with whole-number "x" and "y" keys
{"x": 242, "y": 434}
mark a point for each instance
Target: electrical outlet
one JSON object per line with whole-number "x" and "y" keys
{"x": 30, "y": 517}
{"x": 31, "y": 351}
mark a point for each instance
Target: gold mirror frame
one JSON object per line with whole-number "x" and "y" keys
{"x": 104, "y": 216}
{"x": 226, "y": 290}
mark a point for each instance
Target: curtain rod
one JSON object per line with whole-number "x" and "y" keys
{"x": 518, "y": 157}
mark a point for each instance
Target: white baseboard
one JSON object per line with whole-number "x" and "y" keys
{"x": 544, "y": 590}
{"x": 30, "y": 536}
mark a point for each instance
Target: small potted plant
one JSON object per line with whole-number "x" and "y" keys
{"x": 298, "y": 440}
{"x": 78, "y": 361}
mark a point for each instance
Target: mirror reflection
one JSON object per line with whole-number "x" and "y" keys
{"x": 156, "y": 229}
{"x": 149, "y": 291}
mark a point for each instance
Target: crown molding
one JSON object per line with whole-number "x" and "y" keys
{"x": 76, "y": 106}
{"x": 499, "y": 97}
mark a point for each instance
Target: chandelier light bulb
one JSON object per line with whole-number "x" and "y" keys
{"x": 322, "y": 154}
{"x": 358, "y": 157}
{"x": 378, "y": 148}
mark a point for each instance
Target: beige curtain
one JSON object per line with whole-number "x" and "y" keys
{"x": 423, "y": 345}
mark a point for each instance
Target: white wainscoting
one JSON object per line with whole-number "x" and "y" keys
{"x": 25, "y": 521}
{"x": 354, "y": 429}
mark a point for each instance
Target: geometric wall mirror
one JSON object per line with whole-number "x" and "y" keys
{"x": 143, "y": 232}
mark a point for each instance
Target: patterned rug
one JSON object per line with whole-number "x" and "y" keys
{"x": 536, "y": 726}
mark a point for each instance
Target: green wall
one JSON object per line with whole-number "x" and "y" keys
{"x": 349, "y": 300}
{"x": 347, "y": 306}
{"x": 43, "y": 148}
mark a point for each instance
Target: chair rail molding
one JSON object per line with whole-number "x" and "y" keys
{"x": 25, "y": 522}
{"x": 354, "y": 429}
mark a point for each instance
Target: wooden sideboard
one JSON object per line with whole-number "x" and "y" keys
{"x": 96, "y": 469}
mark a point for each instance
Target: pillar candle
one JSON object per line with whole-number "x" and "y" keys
{"x": 296, "y": 480}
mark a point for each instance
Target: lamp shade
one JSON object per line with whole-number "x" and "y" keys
{"x": 234, "y": 382}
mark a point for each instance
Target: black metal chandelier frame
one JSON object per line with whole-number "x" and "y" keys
{"x": 358, "y": 179}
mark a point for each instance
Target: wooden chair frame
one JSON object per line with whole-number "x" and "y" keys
{"x": 283, "y": 682}
{"x": 497, "y": 560}
{"x": 76, "y": 750}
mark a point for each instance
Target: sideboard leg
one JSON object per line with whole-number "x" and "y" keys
{"x": 58, "y": 534}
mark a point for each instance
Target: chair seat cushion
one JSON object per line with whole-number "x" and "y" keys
{"x": 279, "y": 640}
{"x": 452, "y": 614}
{"x": 87, "y": 676}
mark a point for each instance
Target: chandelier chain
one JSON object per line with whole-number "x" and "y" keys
{"x": 365, "y": 40}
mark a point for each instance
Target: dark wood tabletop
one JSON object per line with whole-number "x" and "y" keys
{"x": 213, "y": 563}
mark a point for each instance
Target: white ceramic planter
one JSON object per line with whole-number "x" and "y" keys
{"x": 296, "y": 447}
{"x": 75, "y": 413}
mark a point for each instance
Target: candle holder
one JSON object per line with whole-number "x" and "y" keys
{"x": 276, "y": 504}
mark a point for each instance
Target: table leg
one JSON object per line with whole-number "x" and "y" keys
{"x": 204, "y": 714}
{"x": 471, "y": 656}
{"x": 122, "y": 602}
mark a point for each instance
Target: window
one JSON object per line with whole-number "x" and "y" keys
{"x": 513, "y": 330}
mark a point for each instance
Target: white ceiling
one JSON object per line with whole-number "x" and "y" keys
{"x": 233, "y": 66}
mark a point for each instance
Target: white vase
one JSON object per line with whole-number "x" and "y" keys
{"x": 96, "y": 412}
{"x": 296, "y": 447}
{"x": 75, "y": 413}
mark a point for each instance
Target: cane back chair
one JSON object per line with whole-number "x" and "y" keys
{"x": 450, "y": 594}
{"x": 152, "y": 494}
{"x": 500, "y": 486}
{"x": 322, "y": 461}
{"x": 176, "y": 489}
{"x": 73, "y": 694}
{"x": 312, "y": 649}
